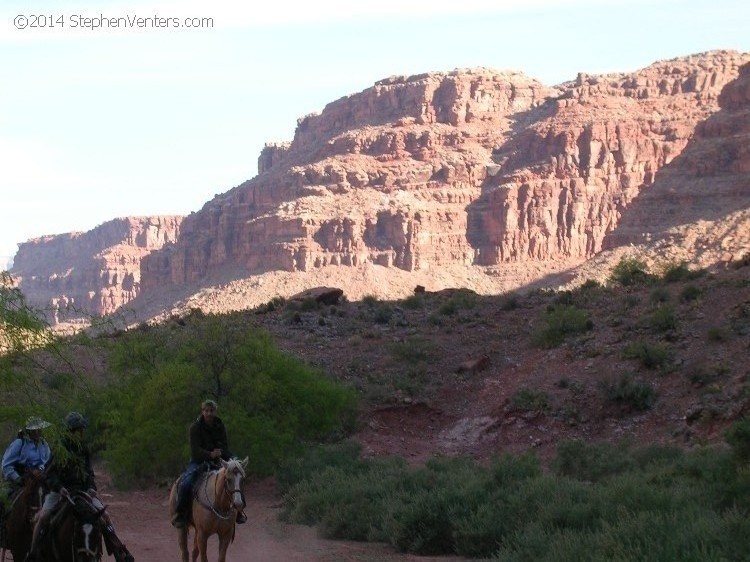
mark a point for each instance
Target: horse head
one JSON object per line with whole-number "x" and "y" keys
{"x": 87, "y": 511}
{"x": 234, "y": 470}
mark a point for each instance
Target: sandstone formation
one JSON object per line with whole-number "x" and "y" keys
{"x": 491, "y": 174}
{"x": 94, "y": 272}
{"x": 474, "y": 167}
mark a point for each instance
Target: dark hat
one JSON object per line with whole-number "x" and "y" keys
{"x": 75, "y": 420}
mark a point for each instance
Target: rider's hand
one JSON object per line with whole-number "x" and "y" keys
{"x": 64, "y": 492}
{"x": 216, "y": 453}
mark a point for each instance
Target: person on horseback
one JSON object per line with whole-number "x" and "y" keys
{"x": 208, "y": 444}
{"x": 28, "y": 453}
{"x": 73, "y": 471}
{"x": 26, "y": 456}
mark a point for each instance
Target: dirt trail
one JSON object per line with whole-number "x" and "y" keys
{"x": 142, "y": 523}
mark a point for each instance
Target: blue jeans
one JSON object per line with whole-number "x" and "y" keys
{"x": 193, "y": 470}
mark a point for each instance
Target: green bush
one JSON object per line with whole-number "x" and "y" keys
{"x": 530, "y": 400}
{"x": 270, "y": 401}
{"x": 662, "y": 319}
{"x": 690, "y": 293}
{"x": 681, "y": 272}
{"x": 651, "y": 356}
{"x": 628, "y": 392}
{"x": 630, "y": 271}
{"x": 561, "y": 322}
{"x": 738, "y": 437}
{"x": 590, "y": 462}
{"x": 414, "y": 302}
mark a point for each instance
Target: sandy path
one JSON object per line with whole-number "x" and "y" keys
{"x": 142, "y": 523}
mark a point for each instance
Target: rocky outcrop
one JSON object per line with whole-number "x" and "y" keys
{"x": 90, "y": 273}
{"x": 489, "y": 172}
{"x": 475, "y": 167}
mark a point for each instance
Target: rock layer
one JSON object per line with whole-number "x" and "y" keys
{"x": 95, "y": 272}
{"x": 489, "y": 171}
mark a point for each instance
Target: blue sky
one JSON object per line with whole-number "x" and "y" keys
{"x": 102, "y": 123}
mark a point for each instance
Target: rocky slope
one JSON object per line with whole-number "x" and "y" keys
{"x": 475, "y": 178}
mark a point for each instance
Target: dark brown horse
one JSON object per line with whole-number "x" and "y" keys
{"x": 19, "y": 523}
{"x": 75, "y": 533}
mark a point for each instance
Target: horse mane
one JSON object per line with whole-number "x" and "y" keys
{"x": 235, "y": 465}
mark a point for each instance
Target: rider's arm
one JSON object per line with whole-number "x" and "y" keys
{"x": 10, "y": 458}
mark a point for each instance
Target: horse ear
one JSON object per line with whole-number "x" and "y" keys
{"x": 243, "y": 462}
{"x": 224, "y": 463}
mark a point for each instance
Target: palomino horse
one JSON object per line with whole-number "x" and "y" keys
{"x": 75, "y": 530}
{"x": 21, "y": 516}
{"x": 217, "y": 499}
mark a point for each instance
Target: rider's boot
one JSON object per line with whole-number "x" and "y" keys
{"x": 241, "y": 517}
{"x": 180, "y": 517}
{"x": 38, "y": 535}
{"x": 114, "y": 545}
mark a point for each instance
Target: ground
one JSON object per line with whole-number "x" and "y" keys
{"x": 141, "y": 520}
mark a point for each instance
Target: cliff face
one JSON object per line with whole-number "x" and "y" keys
{"x": 94, "y": 272}
{"x": 488, "y": 171}
{"x": 471, "y": 167}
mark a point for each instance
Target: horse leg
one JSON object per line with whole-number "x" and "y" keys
{"x": 224, "y": 540}
{"x": 201, "y": 540}
{"x": 182, "y": 536}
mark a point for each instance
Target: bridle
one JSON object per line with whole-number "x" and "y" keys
{"x": 227, "y": 491}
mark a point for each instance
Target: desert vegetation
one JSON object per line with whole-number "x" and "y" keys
{"x": 301, "y": 382}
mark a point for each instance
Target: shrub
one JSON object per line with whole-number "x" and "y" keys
{"x": 529, "y": 400}
{"x": 590, "y": 462}
{"x": 414, "y": 302}
{"x": 650, "y": 356}
{"x": 662, "y": 319}
{"x": 659, "y": 294}
{"x": 561, "y": 321}
{"x": 630, "y": 271}
{"x": 681, "y": 272}
{"x": 738, "y": 437}
{"x": 690, "y": 293}
{"x": 412, "y": 350}
{"x": 626, "y": 391}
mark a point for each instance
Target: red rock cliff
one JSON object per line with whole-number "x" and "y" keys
{"x": 473, "y": 167}
{"x": 94, "y": 272}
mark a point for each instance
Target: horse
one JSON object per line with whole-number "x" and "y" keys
{"x": 20, "y": 519}
{"x": 75, "y": 533}
{"x": 217, "y": 500}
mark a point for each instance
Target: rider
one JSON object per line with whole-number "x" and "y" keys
{"x": 27, "y": 454}
{"x": 73, "y": 471}
{"x": 208, "y": 444}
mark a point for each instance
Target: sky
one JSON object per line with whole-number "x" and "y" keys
{"x": 112, "y": 109}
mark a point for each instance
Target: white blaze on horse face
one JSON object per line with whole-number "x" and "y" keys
{"x": 237, "y": 493}
{"x": 87, "y": 549}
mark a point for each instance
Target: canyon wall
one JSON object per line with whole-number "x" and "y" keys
{"x": 482, "y": 169}
{"x": 95, "y": 272}
{"x": 474, "y": 167}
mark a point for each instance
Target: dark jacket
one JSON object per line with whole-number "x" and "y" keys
{"x": 205, "y": 438}
{"x": 72, "y": 469}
